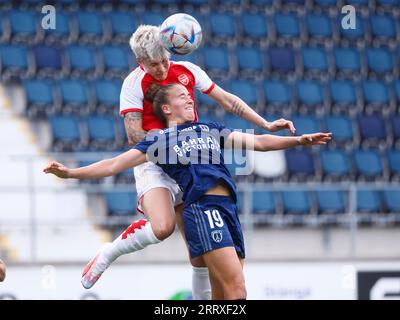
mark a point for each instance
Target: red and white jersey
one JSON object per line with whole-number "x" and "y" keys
{"x": 138, "y": 82}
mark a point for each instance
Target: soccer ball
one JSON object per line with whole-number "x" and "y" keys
{"x": 180, "y": 34}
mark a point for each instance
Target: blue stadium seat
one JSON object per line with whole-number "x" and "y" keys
{"x": 63, "y": 29}
{"x": 383, "y": 26}
{"x": 379, "y": 60}
{"x": 264, "y": 202}
{"x": 342, "y": 92}
{"x": 309, "y": 92}
{"x": 368, "y": 163}
{"x": 331, "y": 202}
{"x": 102, "y": 133}
{"x": 153, "y": 18}
{"x": 393, "y": 157}
{"x": 287, "y": 25}
{"x": 222, "y": 25}
{"x": 296, "y": 202}
{"x": 66, "y": 133}
{"x": 48, "y": 59}
{"x": 107, "y": 94}
{"x": 372, "y": 128}
{"x": 375, "y": 92}
{"x": 335, "y": 164}
{"x": 261, "y": 3}
{"x": 14, "y": 59}
{"x": 74, "y": 96}
{"x": 216, "y": 59}
{"x": 299, "y": 163}
{"x": 244, "y": 89}
{"x": 116, "y": 59}
{"x": 392, "y": 200}
{"x": 306, "y": 124}
{"x": 90, "y": 26}
{"x": 341, "y": 128}
{"x": 319, "y": 26}
{"x": 357, "y": 2}
{"x": 250, "y": 61}
{"x": 120, "y": 203}
{"x": 396, "y": 85}
{"x": 314, "y": 59}
{"x": 395, "y": 121}
{"x": 353, "y": 34}
{"x": 368, "y": 201}
{"x": 236, "y": 122}
{"x": 82, "y": 59}
{"x": 254, "y": 25}
{"x": 39, "y": 97}
{"x": 204, "y": 100}
{"x": 23, "y": 25}
{"x": 325, "y": 3}
{"x": 347, "y": 60}
{"x": 281, "y": 59}
{"x": 389, "y": 3}
{"x": 123, "y": 24}
{"x": 277, "y": 92}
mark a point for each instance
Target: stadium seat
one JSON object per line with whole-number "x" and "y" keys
{"x": 383, "y": 27}
{"x": 14, "y": 60}
{"x": 281, "y": 60}
{"x": 296, "y": 202}
{"x": 379, "y": 60}
{"x": 325, "y": 3}
{"x": 368, "y": 164}
{"x": 343, "y": 93}
{"x": 81, "y": 59}
{"x": 389, "y": 3}
{"x": 117, "y": 60}
{"x": 48, "y": 60}
{"x": 222, "y": 25}
{"x": 120, "y": 203}
{"x": 74, "y": 96}
{"x": 236, "y": 122}
{"x": 306, "y": 124}
{"x": 264, "y": 202}
{"x": 277, "y": 92}
{"x": 395, "y": 121}
{"x": 347, "y": 61}
{"x": 372, "y": 129}
{"x": 314, "y": 59}
{"x": 254, "y": 25}
{"x": 391, "y": 199}
{"x": 319, "y": 26}
{"x": 368, "y": 201}
{"x": 335, "y": 164}
{"x": 250, "y": 61}
{"x": 352, "y": 35}
{"x": 102, "y": 133}
{"x": 341, "y": 128}
{"x": 122, "y": 25}
{"x": 39, "y": 97}
{"x": 310, "y": 94}
{"x": 153, "y": 18}
{"x": 63, "y": 31}
{"x": 287, "y": 25}
{"x": 375, "y": 93}
{"x": 66, "y": 133}
{"x": 331, "y": 202}
{"x": 107, "y": 94}
{"x": 216, "y": 59}
{"x": 90, "y": 26}
{"x": 393, "y": 157}
{"x": 244, "y": 89}
{"x": 23, "y": 26}
{"x": 300, "y": 163}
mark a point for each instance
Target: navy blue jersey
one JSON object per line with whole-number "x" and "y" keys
{"x": 191, "y": 154}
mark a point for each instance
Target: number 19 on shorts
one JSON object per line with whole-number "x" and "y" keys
{"x": 214, "y": 218}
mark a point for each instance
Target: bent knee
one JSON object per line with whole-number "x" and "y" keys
{"x": 163, "y": 230}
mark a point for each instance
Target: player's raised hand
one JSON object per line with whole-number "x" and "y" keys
{"x": 57, "y": 169}
{"x": 281, "y": 124}
{"x": 315, "y": 138}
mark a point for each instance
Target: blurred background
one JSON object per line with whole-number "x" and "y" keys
{"x": 320, "y": 223}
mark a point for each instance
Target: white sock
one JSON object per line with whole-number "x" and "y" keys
{"x": 201, "y": 287}
{"x": 136, "y": 237}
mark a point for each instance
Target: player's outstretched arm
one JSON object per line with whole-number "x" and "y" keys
{"x": 100, "y": 169}
{"x": 235, "y": 105}
{"x": 268, "y": 142}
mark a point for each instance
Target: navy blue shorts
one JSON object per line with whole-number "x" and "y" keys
{"x": 212, "y": 223}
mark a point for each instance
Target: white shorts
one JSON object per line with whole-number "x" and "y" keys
{"x": 149, "y": 176}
